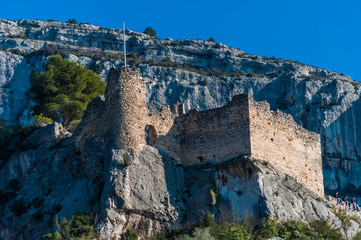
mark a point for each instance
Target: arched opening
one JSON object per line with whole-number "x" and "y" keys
{"x": 151, "y": 136}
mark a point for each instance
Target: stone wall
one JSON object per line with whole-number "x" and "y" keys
{"x": 126, "y": 108}
{"x": 242, "y": 127}
{"x": 278, "y": 139}
{"x": 215, "y": 135}
{"x": 130, "y": 123}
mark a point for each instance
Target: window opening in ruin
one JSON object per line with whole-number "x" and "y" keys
{"x": 151, "y": 136}
{"x": 200, "y": 158}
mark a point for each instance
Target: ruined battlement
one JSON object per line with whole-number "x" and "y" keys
{"x": 278, "y": 139}
{"x": 241, "y": 127}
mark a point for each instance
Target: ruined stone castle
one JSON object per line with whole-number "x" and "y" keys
{"x": 242, "y": 127}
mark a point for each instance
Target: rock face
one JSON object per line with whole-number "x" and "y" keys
{"x": 85, "y": 172}
{"x": 143, "y": 190}
{"x": 244, "y": 188}
{"x": 201, "y": 75}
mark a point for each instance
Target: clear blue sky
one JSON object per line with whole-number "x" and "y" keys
{"x": 323, "y": 33}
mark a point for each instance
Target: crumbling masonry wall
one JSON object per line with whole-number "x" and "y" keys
{"x": 246, "y": 127}
{"x": 130, "y": 123}
{"x": 242, "y": 127}
{"x": 278, "y": 139}
{"x": 215, "y": 135}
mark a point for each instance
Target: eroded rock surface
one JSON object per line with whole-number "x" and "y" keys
{"x": 82, "y": 173}
{"x": 202, "y": 75}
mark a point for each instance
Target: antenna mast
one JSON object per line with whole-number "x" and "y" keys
{"x": 125, "y": 53}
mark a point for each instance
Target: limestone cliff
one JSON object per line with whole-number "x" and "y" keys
{"x": 72, "y": 174}
{"x": 198, "y": 73}
{"x": 142, "y": 189}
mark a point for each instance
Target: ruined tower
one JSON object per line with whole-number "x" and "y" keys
{"x": 126, "y": 108}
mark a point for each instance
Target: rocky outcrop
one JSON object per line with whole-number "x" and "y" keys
{"x": 144, "y": 190}
{"x": 245, "y": 188}
{"x": 198, "y": 73}
{"x": 71, "y": 171}
{"x": 40, "y": 181}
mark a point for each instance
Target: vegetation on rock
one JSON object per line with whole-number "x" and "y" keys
{"x": 130, "y": 234}
{"x": 224, "y": 230}
{"x": 150, "y": 31}
{"x": 72, "y": 21}
{"x": 63, "y": 91}
{"x": 81, "y": 226}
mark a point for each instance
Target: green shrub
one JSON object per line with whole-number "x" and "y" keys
{"x": 53, "y": 236}
{"x": 302, "y": 231}
{"x": 199, "y": 234}
{"x": 320, "y": 229}
{"x": 150, "y": 31}
{"x": 133, "y": 58}
{"x": 41, "y": 121}
{"x": 22, "y": 34}
{"x": 232, "y": 231}
{"x": 358, "y": 236}
{"x": 344, "y": 217}
{"x": 81, "y": 226}
{"x": 72, "y": 21}
{"x": 293, "y": 230}
{"x": 63, "y": 91}
{"x": 126, "y": 160}
{"x": 208, "y": 220}
{"x": 247, "y": 230}
{"x": 268, "y": 230}
{"x": 130, "y": 234}
{"x": 265, "y": 163}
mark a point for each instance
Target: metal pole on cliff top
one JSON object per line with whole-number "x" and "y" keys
{"x": 125, "y": 53}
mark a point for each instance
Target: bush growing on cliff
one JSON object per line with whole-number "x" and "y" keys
{"x": 130, "y": 234}
{"x": 41, "y": 121}
{"x": 289, "y": 230}
{"x": 150, "y": 31}
{"x": 63, "y": 91}
{"x": 81, "y": 226}
{"x": 72, "y": 21}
